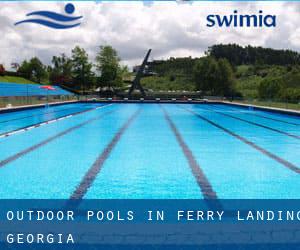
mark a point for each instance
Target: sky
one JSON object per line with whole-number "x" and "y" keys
{"x": 171, "y": 29}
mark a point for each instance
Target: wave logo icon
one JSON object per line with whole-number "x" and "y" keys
{"x": 54, "y": 20}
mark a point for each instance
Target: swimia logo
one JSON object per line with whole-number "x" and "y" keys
{"x": 239, "y": 20}
{"x": 54, "y": 20}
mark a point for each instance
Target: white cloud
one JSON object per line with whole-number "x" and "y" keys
{"x": 169, "y": 28}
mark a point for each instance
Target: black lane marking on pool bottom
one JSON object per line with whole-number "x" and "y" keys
{"x": 203, "y": 182}
{"x": 283, "y": 162}
{"x": 36, "y": 125}
{"x": 94, "y": 170}
{"x": 266, "y": 117}
{"x": 273, "y": 119}
{"x": 50, "y": 139}
{"x": 256, "y": 124}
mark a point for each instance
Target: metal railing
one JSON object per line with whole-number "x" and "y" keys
{"x": 15, "y": 101}
{"x": 274, "y": 103}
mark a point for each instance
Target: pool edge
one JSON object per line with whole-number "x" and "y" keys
{"x": 242, "y": 105}
{"x": 263, "y": 108}
{"x": 34, "y": 106}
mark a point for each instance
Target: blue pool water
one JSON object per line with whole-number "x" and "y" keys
{"x": 17, "y": 120}
{"x": 149, "y": 151}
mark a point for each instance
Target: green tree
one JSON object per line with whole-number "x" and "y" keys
{"x": 224, "y": 83}
{"x": 83, "y": 76}
{"x": 25, "y": 69}
{"x": 205, "y": 74}
{"x": 61, "y": 71}
{"x": 213, "y": 76}
{"x": 270, "y": 88}
{"x": 238, "y": 55}
{"x": 33, "y": 70}
{"x": 38, "y": 70}
{"x": 108, "y": 65}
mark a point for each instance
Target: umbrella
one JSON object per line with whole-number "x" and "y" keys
{"x": 47, "y": 87}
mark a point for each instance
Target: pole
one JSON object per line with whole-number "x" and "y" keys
{"x": 47, "y": 98}
{"x": 82, "y": 76}
{"x": 27, "y": 99}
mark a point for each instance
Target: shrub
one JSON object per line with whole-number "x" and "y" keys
{"x": 172, "y": 78}
{"x": 290, "y": 95}
{"x": 269, "y": 88}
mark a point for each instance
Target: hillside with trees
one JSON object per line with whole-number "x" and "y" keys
{"x": 228, "y": 70}
{"x": 232, "y": 71}
{"x": 76, "y": 72}
{"x": 238, "y": 55}
{"x": 281, "y": 83}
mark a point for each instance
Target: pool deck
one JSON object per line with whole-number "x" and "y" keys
{"x": 263, "y": 108}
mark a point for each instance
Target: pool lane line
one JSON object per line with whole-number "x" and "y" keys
{"x": 29, "y": 127}
{"x": 95, "y": 169}
{"x": 256, "y": 124}
{"x": 38, "y": 114}
{"x": 266, "y": 117}
{"x": 201, "y": 179}
{"x": 273, "y": 119}
{"x": 47, "y": 122}
{"x": 50, "y": 139}
{"x": 280, "y": 160}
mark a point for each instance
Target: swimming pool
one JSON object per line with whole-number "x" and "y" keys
{"x": 173, "y": 151}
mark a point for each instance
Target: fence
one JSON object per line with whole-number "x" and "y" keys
{"x": 14, "y": 94}
{"x": 295, "y": 105}
{"x": 30, "y": 98}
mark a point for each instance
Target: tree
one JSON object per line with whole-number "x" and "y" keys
{"x": 81, "y": 69}
{"x": 61, "y": 71}
{"x": 205, "y": 73}
{"x": 270, "y": 88}
{"x": 25, "y": 69}
{"x": 224, "y": 84}
{"x": 238, "y": 55}
{"x": 214, "y": 76}
{"x": 2, "y": 70}
{"x": 108, "y": 65}
{"x": 38, "y": 70}
{"x": 33, "y": 70}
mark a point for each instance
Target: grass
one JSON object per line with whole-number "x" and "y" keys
{"x": 165, "y": 83}
{"x": 15, "y": 79}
